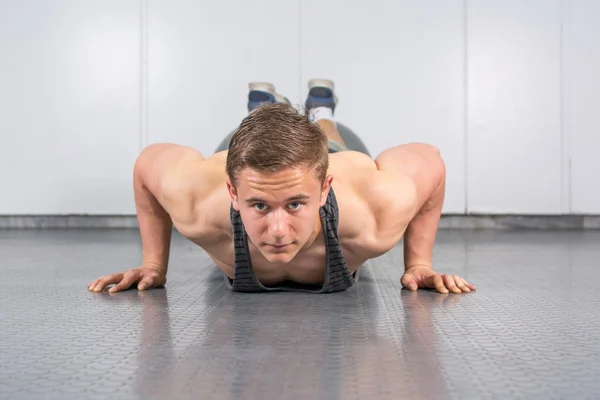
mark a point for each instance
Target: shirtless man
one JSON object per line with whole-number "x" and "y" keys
{"x": 284, "y": 209}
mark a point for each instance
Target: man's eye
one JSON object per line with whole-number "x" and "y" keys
{"x": 295, "y": 205}
{"x": 260, "y": 206}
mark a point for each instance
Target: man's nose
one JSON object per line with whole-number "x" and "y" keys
{"x": 278, "y": 223}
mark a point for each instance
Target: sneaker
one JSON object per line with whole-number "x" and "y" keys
{"x": 321, "y": 93}
{"x": 263, "y": 93}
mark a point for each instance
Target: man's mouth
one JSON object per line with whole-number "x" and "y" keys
{"x": 277, "y": 246}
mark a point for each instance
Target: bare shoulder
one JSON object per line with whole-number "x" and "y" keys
{"x": 375, "y": 204}
{"x": 186, "y": 184}
{"x": 205, "y": 216}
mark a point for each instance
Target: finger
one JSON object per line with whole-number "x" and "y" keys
{"x": 129, "y": 279}
{"x": 450, "y": 284}
{"x": 107, "y": 280}
{"x": 469, "y": 285}
{"x": 96, "y": 282}
{"x": 434, "y": 281}
{"x": 92, "y": 284}
{"x": 438, "y": 283}
{"x": 409, "y": 282}
{"x": 146, "y": 283}
{"x": 461, "y": 284}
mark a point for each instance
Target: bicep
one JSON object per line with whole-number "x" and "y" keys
{"x": 394, "y": 200}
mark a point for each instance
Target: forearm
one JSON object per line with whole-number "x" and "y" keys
{"x": 421, "y": 232}
{"x": 155, "y": 227}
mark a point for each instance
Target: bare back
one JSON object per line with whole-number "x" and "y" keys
{"x": 375, "y": 207}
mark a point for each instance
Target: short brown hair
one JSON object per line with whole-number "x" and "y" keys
{"x": 274, "y": 137}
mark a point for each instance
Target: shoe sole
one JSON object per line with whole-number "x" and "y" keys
{"x": 269, "y": 88}
{"x": 263, "y": 87}
{"x": 326, "y": 83}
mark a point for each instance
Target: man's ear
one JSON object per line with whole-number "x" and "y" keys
{"x": 233, "y": 194}
{"x": 325, "y": 189}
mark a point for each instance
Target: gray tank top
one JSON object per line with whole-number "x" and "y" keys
{"x": 337, "y": 275}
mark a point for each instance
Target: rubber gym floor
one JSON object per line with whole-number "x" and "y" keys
{"x": 531, "y": 331}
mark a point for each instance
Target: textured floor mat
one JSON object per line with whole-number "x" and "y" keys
{"x": 532, "y": 330}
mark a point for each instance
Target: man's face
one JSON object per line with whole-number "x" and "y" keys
{"x": 280, "y": 211}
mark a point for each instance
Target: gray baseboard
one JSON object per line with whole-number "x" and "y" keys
{"x": 67, "y": 221}
{"x": 447, "y": 221}
{"x": 549, "y": 222}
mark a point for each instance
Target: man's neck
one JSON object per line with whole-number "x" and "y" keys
{"x": 317, "y": 238}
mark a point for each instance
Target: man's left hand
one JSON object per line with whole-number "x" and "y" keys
{"x": 424, "y": 277}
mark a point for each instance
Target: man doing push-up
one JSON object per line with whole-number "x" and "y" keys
{"x": 287, "y": 206}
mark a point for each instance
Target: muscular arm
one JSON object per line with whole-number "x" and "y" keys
{"x": 423, "y": 167}
{"x": 164, "y": 178}
{"x": 154, "y": 222}
{"x": 420, "y": 234}
{"x": 152, "y": 171}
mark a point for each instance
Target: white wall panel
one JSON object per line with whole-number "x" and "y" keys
{"x": 202, "y": 56}
{"x": 69, "y": 106}
{"x": 399, "y": 71}
{"x": 581, "y": 43}
{"x": 75, "y": 78}
{"x": 514, "y": 135}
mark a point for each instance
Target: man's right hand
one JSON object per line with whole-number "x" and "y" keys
{"x": 145, "y": 276}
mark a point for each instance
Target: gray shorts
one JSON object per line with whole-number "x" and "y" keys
{"x": 335, "y": 147}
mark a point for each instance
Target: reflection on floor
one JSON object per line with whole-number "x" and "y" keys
{"x": 531, "y": 330}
